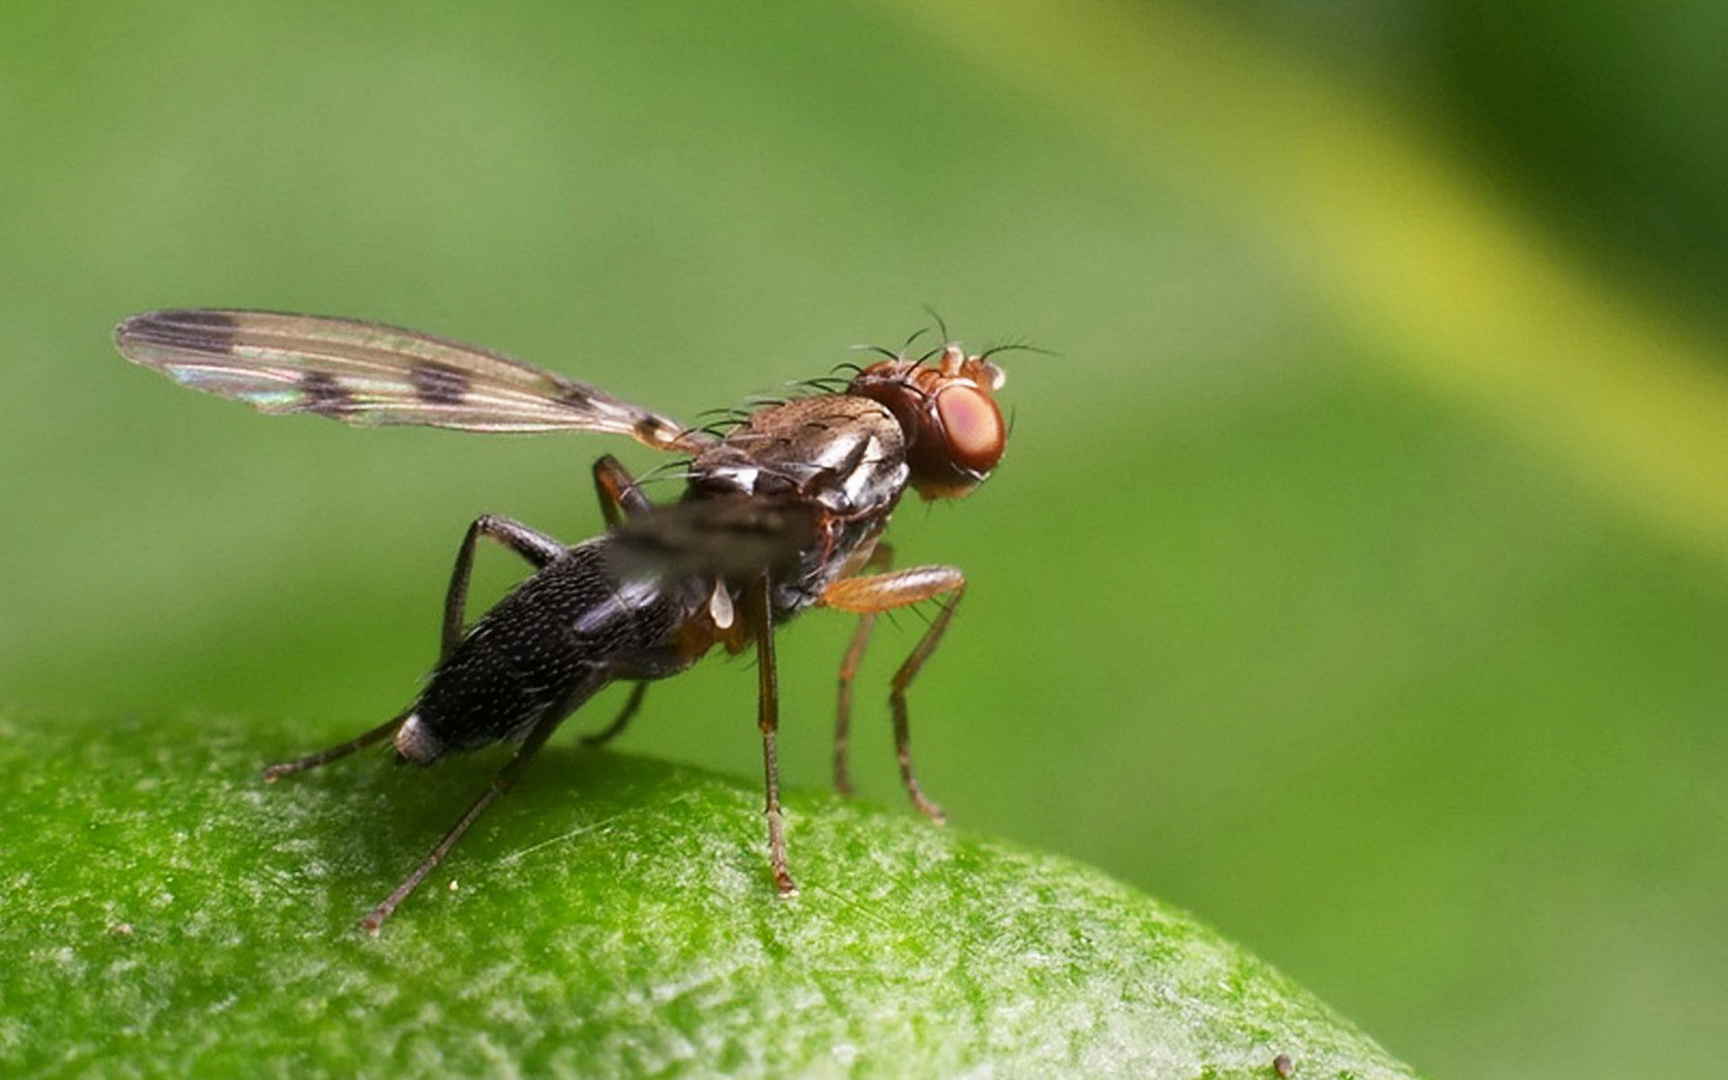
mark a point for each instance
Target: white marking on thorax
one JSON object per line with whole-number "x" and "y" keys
{"x": 867, "y": 475}
{"x": 740, "y": 478}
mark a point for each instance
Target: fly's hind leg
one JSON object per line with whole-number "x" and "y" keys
{"x": 340, "y": 750}
{"x": 536, "y": 547}
{"x": 872, "y": 595}
{"x": 501, "y": 783}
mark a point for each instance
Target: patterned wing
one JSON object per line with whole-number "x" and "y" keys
{"x": 369, "y": 373}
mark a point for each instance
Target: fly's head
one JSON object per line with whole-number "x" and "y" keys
{"x": 947, "y": 410}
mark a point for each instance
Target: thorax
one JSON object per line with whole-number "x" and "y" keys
{"x": 846, "y": 455}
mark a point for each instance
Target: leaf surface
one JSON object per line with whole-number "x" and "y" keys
{"x": 614, "y": 917}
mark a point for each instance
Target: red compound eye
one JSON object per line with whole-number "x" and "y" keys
{"x": 973, "y": 426}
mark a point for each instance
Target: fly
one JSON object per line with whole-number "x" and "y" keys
{"x": 784, "y": 509}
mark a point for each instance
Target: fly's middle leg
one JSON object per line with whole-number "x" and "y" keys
{"x": 619, "y": 494}
{"x": 872, "y": 595}
{"x": 768, "y": 722}
{"x": 620, "y": 497}
{"x": 612, "y": 730}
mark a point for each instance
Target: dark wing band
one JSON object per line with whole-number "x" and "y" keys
{"x": 368, "y": 373}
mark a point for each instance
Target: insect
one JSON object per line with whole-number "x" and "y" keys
{"x": 784, "y": 509}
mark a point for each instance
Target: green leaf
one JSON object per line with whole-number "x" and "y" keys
{"x": 167, "y": 912}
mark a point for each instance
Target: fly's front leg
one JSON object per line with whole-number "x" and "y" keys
{"x": 880, "y": 559}
{"x": 761, "y": 615}
{"x": 620, "y": 497}
{"x": 843, "y": 705}
{"x": 869, "y": 596}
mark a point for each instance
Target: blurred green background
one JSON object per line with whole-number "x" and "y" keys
{"x": 1356, "y": 576}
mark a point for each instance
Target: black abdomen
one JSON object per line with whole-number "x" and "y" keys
{"x": 548, "y": 646}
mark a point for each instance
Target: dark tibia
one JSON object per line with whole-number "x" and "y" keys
{"x": 536, "y": 547}
{"x": 768, "y": 721}
{"x": 616, "y": 728}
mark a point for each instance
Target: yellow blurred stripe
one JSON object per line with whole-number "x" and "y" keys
{"x": 1410, "y": 243}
